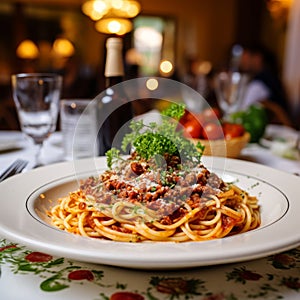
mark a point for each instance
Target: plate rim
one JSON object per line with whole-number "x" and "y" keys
{"x": 160, "y": 262}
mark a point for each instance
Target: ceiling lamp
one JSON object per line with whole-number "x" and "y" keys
{"x": 27, "y": 50}
{"x": 63, "y": 47}
{"x": 117, "y": 26}
{"x": 125, "y": 8}
{"x": 95, "y": 9}
{"x": 112, "y": 16}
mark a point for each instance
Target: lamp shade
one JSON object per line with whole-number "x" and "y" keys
{"x": 112, "y": 16}
{"x": 95, "y": 9}
{"x": 27, "y": 49}
{"x": 117, "y": 26}
{"x": 63, "y": 47}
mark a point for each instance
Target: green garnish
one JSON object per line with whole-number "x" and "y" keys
{"x": 153, "y": 140}
{"x": 175, "y": 111}
{"x": 112, "y": 156}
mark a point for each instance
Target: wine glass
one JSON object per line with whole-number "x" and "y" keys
{"x": 36, "y": 97}
{"x": 230, "y": 88}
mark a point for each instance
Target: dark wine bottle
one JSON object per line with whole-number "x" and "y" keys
{"x": 115, "y": 109}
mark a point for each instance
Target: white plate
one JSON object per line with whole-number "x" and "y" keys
{"x": 22, "y": 219}
{"x": 279, "y": 134}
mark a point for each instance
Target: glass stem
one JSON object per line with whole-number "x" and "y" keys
{"x": 38, "y": 160}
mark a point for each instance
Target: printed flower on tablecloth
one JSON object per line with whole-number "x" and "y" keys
{"x": 218, "y": 297}
{"x": 283, "y": 261}
{"x": 292, "y": 283}
{"x": 38, "y": 257}
{"x": 286, "y": 260}
{"x": 176, "y": 286}
{"x": 57, "y": 271}
{"x": 5, "y": 250}
{"x": 243, "y": 275}
{"x": 7, "y": 247}
{"x": 126, "y": 296}
{"x": 81, "y": 275}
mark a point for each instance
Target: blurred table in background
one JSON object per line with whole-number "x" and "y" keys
{"x": 278, "y": 148}
{"x": 13, "y": 145}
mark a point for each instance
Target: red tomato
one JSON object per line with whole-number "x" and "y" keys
{"x": 212, "y": 113}
{"x": 126, "y": 296}
{"x": 200, "y": 119}
{"x": 192, "y": 129}
{"x": 184, "y": 118}
{"x": 232, "y": 130}
{"x": 212, "y": 131}
{"x": 187, "y": 117}
{"x": 38, "y": 257}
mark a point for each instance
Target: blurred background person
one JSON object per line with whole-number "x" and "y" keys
{"x": 265, "y": 85}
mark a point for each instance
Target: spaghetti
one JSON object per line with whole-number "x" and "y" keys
{"x": 143, "y": 200}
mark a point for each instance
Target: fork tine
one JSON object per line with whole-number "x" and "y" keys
{"x": 16, "y": 167}
{"x": 22, "y": 165}
{"x": 9, "y": 169}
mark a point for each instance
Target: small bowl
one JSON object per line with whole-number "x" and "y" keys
{"x": 224, "y": 148}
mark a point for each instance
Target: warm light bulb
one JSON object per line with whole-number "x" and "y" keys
{"x": 152, "y": 84}
{"x": 133, "y": 10}
{"x": 87, "y": 8}
{"x": 204, "y": 67}
{"x": 95, "y": 16}
{"x": 114, "y": 26}
{"x": 63, "y": 47}
{"x": 117, "y": 26}
{"x": 125, "y": 8}
{"x": 27, "y": 50}
{"x": 93, "y": 8}
{"x": 166, "y": 66}
{"x": 100, "y": 6}
{"x": 117, "y": 4}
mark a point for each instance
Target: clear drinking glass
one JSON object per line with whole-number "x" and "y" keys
{"x": 230, "y": 88}
{"x": 36, "y": 96}
{"x": 78, "y": 122}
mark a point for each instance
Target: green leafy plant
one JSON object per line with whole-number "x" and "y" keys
{"x": 254, "y": 119}
{"x": 159, "y": 139}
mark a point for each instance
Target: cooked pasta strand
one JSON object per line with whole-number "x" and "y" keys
{"x": 129, "y": 208}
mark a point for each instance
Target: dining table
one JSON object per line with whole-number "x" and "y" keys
{"x": 28, "y": 273}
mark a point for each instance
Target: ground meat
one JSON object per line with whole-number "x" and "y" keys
{"x": 164, "y": 187}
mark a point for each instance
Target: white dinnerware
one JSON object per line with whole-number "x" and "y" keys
{"x": 277, "y": 198}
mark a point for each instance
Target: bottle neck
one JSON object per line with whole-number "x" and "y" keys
{"x": 112, "y": 80}
{"x": 114, "y": 60}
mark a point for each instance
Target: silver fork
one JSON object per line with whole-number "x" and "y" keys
{"x": 15, "y": 168}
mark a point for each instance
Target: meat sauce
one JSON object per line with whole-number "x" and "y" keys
{"x": 164, "y": 187}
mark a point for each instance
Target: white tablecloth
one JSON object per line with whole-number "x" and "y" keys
{"x": 14, "y": 145}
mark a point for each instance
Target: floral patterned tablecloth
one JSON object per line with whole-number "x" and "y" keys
{"x": 27, "y": 274}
